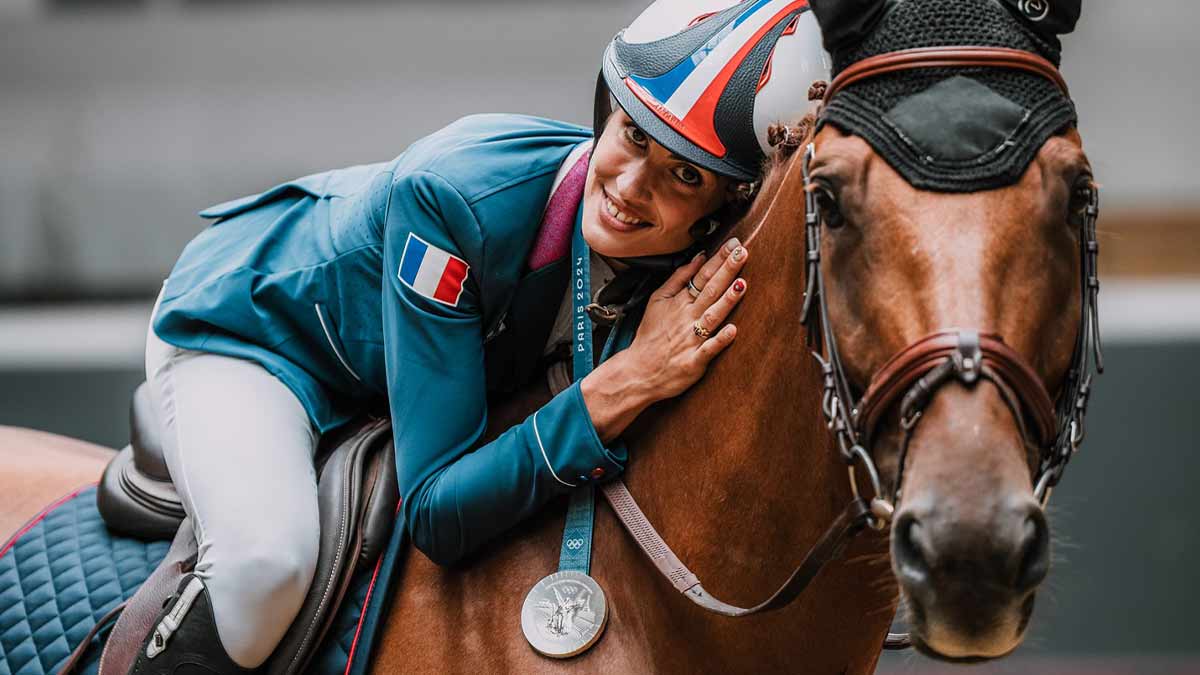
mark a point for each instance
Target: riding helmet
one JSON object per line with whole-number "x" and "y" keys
{"x": 707, "y": 78}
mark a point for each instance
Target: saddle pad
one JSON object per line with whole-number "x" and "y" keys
{"x": 64, "y": 570}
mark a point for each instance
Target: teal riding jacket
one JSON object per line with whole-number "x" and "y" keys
{"x": 338, "y": 283}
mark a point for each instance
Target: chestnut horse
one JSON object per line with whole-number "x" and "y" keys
{"x": 740, "y": 475}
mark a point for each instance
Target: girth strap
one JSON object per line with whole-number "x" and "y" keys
{"x": 76, "y": 658}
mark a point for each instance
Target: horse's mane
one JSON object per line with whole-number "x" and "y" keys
{"x": 786, "y": 139}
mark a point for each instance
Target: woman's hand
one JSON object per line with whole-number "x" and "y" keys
{"x": 667, "y": 356}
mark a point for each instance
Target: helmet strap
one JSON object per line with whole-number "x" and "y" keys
{"x": 663, "y": 262}
{"x": 704, "y": 227}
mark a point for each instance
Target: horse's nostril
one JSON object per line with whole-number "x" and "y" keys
{"x": 911, "y": 550}
{"x": 1034, "y": 551}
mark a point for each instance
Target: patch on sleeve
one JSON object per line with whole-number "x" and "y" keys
{"x": 432, "y": 272}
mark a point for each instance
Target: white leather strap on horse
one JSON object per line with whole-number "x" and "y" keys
{"x": 852, "y": 519}
{"x": 850, "y": 522}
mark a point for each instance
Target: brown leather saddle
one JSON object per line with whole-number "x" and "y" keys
{"x": 357, "y": 495}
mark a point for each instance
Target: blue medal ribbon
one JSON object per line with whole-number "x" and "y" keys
{"x": 576, "y": 554}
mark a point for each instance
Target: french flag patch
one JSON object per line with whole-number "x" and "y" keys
{"x": 432, "y": 272}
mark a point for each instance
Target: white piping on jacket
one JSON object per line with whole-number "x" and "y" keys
{"x": 329, "y": 339}
{"x": 541, "y": 447}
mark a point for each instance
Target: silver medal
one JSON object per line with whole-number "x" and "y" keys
{"x": 564, "y": 614}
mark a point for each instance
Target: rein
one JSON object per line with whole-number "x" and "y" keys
{"x": 914, "y": 375}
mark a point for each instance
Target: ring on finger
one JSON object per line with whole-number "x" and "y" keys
{"x": 700, "y": 331}
{"x": 692, "y": 290}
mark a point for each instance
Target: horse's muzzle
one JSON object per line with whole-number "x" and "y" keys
{"x": 970, "y": 582}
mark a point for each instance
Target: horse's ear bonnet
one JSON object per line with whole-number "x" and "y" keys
{"x": 844, "y": 22}
{"x": 1050, "y": 18}
{"x": 949, "y": 129}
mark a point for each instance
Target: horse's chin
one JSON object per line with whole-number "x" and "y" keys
{"x": 921, "y": 646}
{"x": 938, "y": 635}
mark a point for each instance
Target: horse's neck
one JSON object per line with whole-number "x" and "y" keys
{"x": 738, "y": 474}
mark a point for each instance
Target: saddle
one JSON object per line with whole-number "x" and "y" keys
{"x": 357, "y": 496}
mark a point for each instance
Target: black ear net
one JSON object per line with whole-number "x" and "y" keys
{"x": 844, "y": 22}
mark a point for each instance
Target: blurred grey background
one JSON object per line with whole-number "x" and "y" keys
{"x": 120, "y": 119}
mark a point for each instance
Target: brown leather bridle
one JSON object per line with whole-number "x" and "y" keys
{"x": 913, "y": 376}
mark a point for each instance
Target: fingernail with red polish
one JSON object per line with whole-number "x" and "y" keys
{"x": 739, "y": 286}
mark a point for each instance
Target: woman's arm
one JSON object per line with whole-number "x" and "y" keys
{"x": 457, "y": 493}
{"x": 615, "y": 394}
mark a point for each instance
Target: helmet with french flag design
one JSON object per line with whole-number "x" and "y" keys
{"x": 708, "y": 78}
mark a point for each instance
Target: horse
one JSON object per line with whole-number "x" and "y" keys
{"x": 742, "y": 476}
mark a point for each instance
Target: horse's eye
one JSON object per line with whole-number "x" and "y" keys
{"x": 1081, "y": 196}
{"x": 831, "y": 214}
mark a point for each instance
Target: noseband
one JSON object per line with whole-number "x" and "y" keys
{"x": 914, "y": 375}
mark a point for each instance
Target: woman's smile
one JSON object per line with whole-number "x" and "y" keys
{"x": 641, "y": 199}
{"x": 619, "y": 217}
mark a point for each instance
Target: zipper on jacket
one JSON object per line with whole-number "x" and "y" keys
{"x": 332, "y": 345}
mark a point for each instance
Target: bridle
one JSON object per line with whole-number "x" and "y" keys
{"x": 913, "y": 376}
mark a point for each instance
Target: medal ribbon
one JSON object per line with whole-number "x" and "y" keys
{"x": 576, "y": 554}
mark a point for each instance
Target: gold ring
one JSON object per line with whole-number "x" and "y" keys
{"x": 700, "y": 331}
{"x": 692, "y": 290}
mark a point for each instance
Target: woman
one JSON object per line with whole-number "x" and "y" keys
{"x": 425, "y": 283}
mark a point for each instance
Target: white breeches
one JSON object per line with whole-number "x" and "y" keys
{"x": 240, "y": 449}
